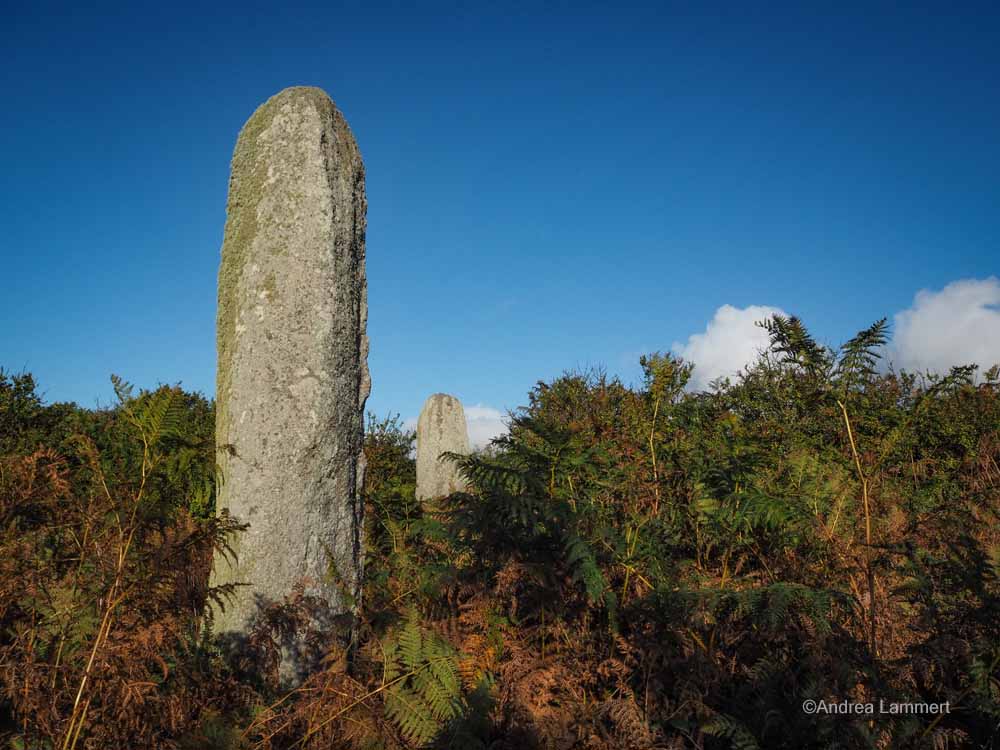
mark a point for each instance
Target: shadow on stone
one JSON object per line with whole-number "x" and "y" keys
{"x": 287, "y": 641}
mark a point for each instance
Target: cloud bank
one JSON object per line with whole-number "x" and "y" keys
{"x": 731, "y": 341}
{"x": 957, "y": 325}
{"x": 485, "y": 423}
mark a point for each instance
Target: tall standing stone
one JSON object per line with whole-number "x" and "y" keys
{"x": 292, "y": 373}
{"x": 441, "y": 428}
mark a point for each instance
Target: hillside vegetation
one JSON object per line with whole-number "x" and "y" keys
{"x": 633, "y": 567}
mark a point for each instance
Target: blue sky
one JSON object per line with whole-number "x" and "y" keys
{"x": 550, "y": 186}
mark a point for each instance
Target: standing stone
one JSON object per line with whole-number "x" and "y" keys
{"x": 293, "y": 372}
{"x": 441, "y": 428}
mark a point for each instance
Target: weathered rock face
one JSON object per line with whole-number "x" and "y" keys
{"x": 292, "y": 374}
{"x": 441, "y": 428}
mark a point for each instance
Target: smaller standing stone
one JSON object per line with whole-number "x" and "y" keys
{"x": 440, "y": 429}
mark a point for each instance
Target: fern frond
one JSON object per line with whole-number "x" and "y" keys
{"x": 729, "y": 728}
{"x": 424, "y": 690}
{"x": 790, "y": 338}
{"x": 859, "y": 356}
{"x": 584, "y": 568}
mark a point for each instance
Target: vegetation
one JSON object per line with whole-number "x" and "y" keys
{"x": 631, "y": 568}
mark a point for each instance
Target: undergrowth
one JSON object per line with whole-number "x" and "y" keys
{"x": 631, "y": 567}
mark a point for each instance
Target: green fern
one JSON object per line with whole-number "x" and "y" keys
{"x": 790, "y": 338}
{"x": 859, "y": 356}
{"x": 729, "y": 728}
{"x": 425, "y": 692}
{"x": 156, "y": 415}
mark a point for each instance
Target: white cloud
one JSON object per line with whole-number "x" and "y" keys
{"x": 731, "y": 341}
{"x": 956, "y": 326}
{"x": 483, "y": 423}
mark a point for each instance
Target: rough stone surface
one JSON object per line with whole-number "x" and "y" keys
{"x": 441, "y": 428}
{"x": 292, "y": 372}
